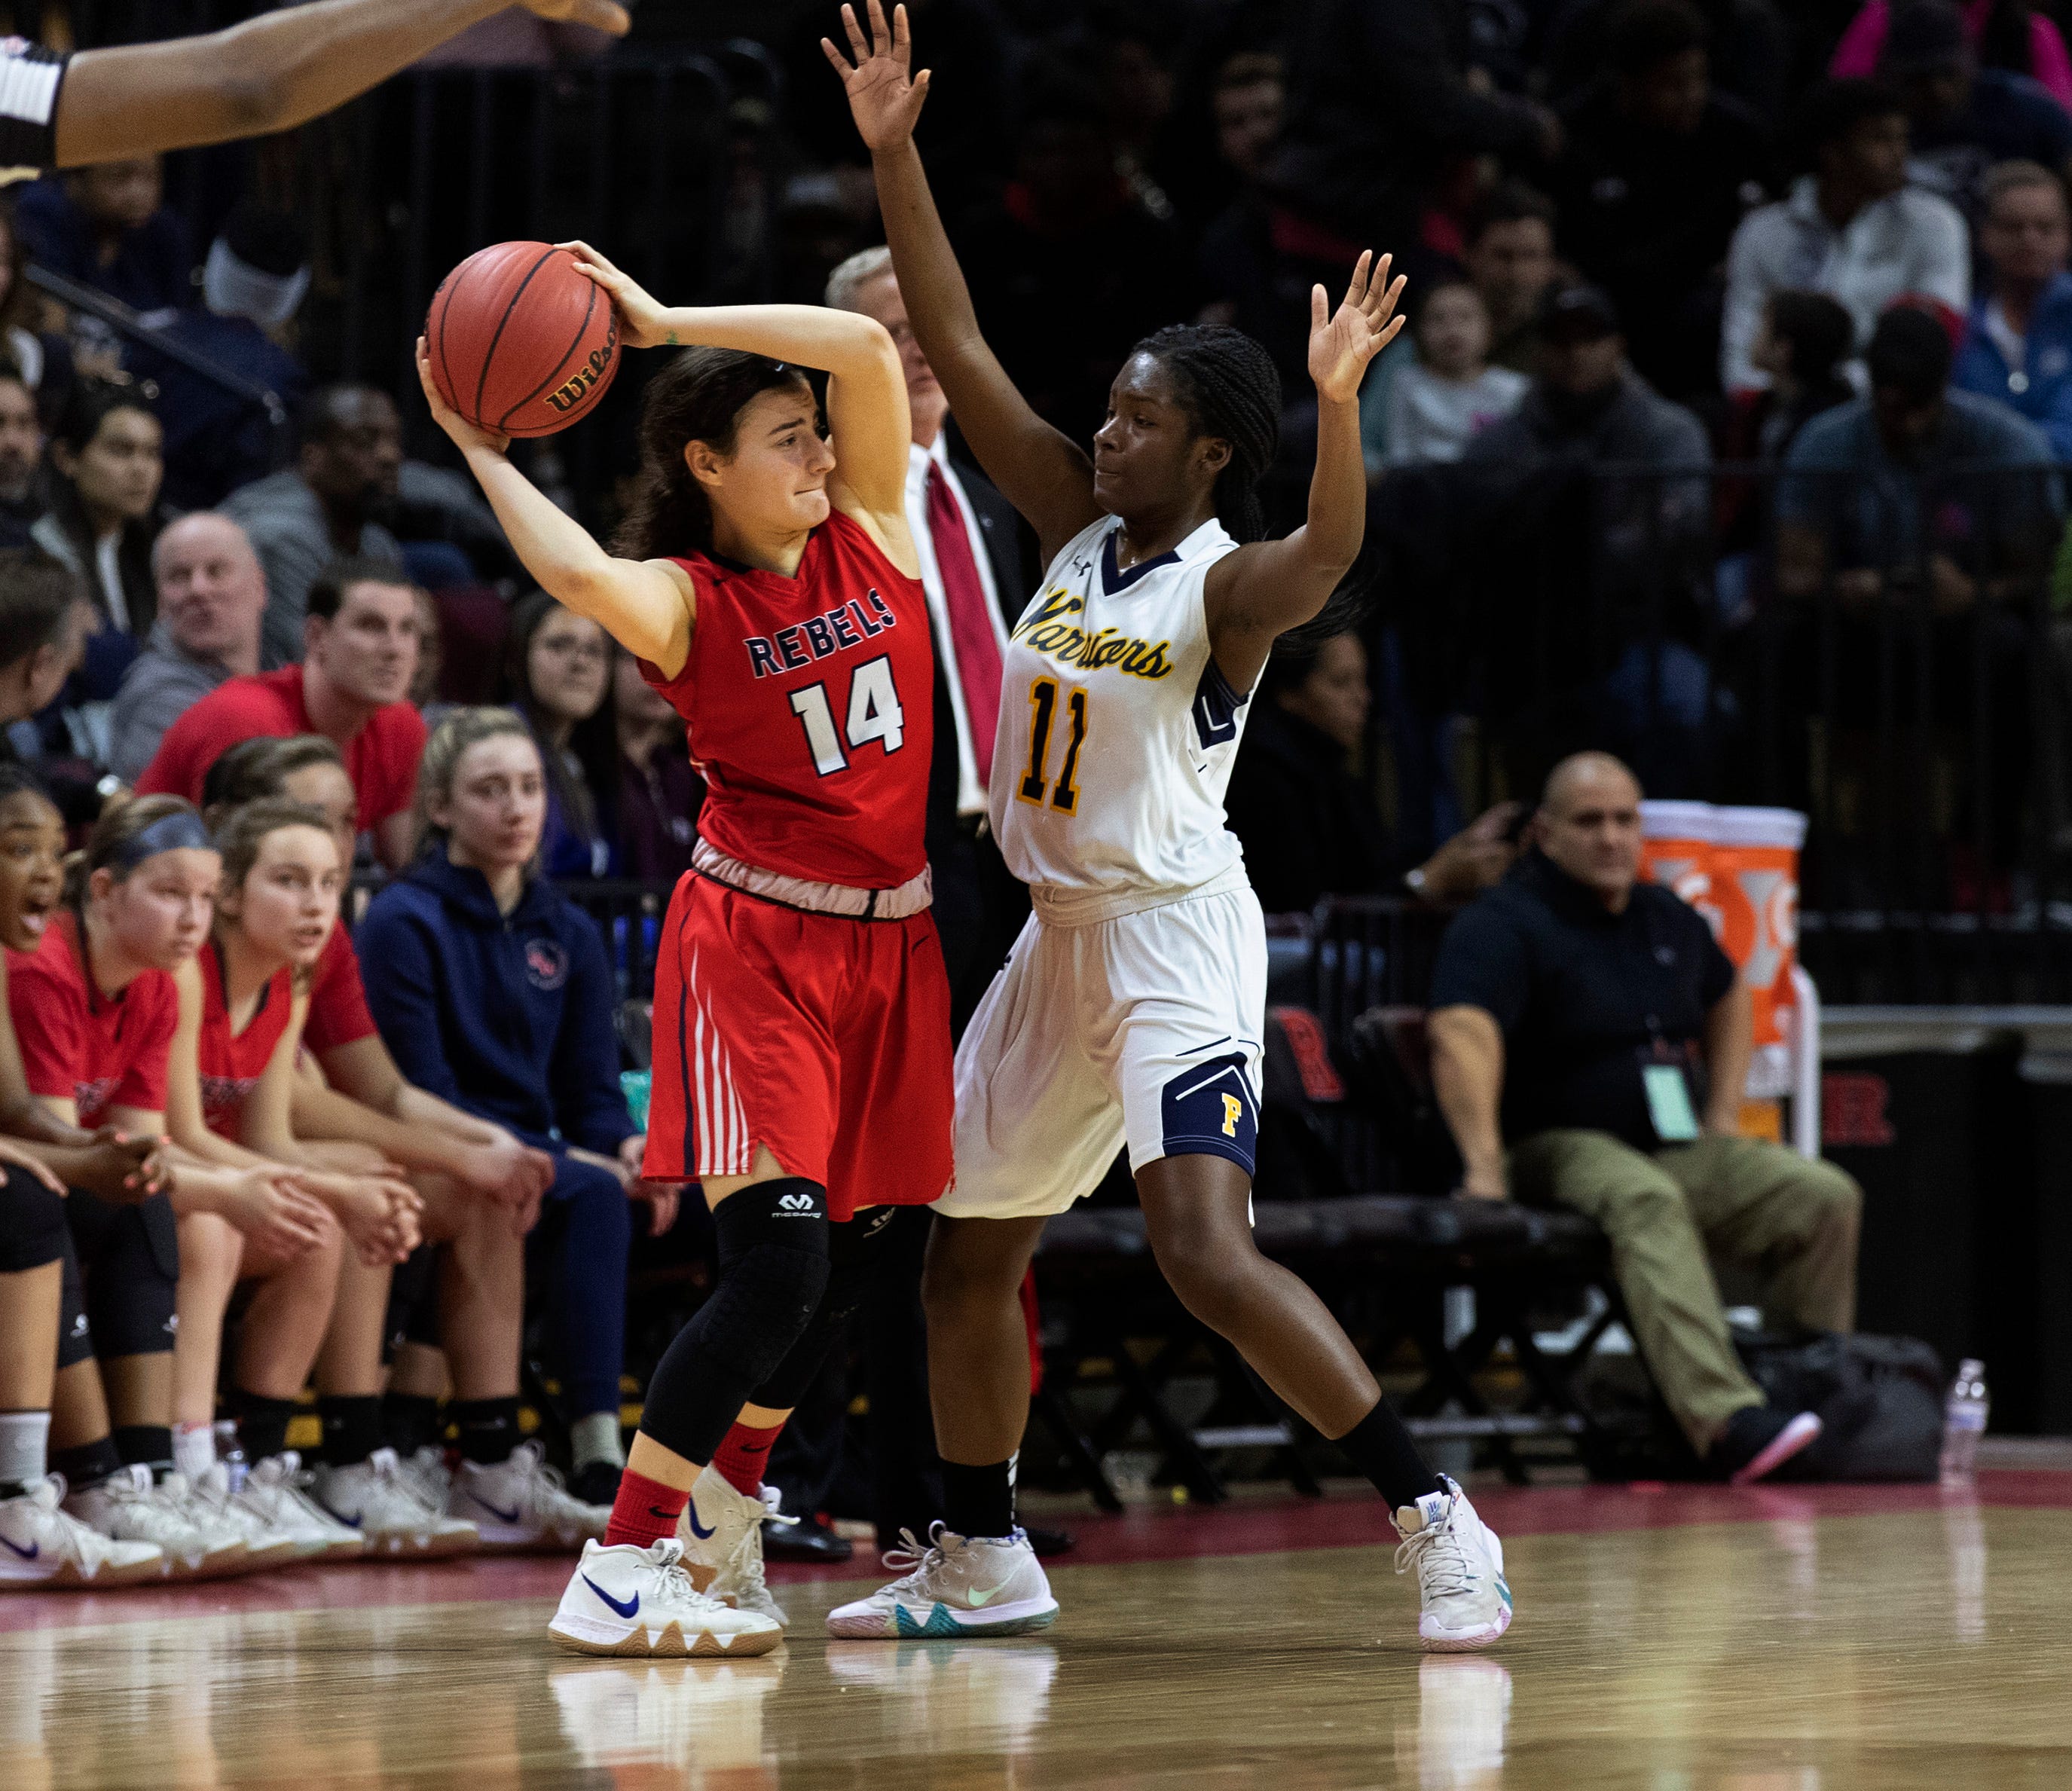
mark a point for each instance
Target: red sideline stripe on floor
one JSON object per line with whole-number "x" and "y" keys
{"x": 1160, "y": 1533}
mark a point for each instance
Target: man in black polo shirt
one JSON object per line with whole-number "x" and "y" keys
{"x": 1588, "y": 1021}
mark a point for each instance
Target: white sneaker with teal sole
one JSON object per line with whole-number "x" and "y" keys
{"x": 1460, "y": 1572}
{"x": 721, "y": 1532}
{"x": 958, "y": 1586}
{"x": 640, "y": 1601}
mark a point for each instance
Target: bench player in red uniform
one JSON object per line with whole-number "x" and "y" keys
{"x": 769, "y": 585}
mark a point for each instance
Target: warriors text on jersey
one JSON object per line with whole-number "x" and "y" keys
{"x": 1117, "y": 731}
{"x": 809, "y": 706}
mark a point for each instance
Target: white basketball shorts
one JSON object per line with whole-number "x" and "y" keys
{"x": 1142, "y": 1029}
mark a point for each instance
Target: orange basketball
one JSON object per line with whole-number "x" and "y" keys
{"x": 521, "y": 341}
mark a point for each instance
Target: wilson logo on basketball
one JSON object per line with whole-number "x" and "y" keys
{"x": 568, "y": 396}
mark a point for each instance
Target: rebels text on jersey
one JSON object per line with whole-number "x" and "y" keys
{"x": 808, "y": 703}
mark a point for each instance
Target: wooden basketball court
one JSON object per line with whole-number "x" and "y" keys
{"x": 1668, "y": 1639}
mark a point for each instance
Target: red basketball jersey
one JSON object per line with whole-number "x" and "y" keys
{"x": 810, "y": 706}
{"x": 231, "y": 1063}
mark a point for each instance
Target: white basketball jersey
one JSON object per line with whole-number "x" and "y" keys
{"x": 1116, "y": 732}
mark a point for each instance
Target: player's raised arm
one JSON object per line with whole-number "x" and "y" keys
{"x": 867, "y": 416}
{"x": 1261, "y": 591}
{"x": 647, "y": 606}
{"x": 1045, "y": 475}
{"x": 269, "y": 74}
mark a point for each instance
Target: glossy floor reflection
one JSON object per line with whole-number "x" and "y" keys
{"x": 1792, "y": 1650}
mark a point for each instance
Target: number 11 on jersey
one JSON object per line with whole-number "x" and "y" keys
{"x": 1042, "y": 715}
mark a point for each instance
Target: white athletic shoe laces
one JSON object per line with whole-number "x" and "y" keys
{"x": 375, "y": 1498}
{"x": 721, "y": 1533}
{"x": 128, "y": 1507}
{"x": 641, "y": 1601}
{"x": 41, "y": 1545}
{"x": 265, "y": 1546}
{"x": 956, "y": 1586}
{"x": 1466, "y": 1603}
{"x": 276, "y": 1491}
{"x": 520, "y": 1503}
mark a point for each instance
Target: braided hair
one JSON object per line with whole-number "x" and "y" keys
{"x": 1229, "y": 387}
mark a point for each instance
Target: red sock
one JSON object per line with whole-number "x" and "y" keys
{"x": 743, "y": 1453}
{"x": 645, "y": 1511}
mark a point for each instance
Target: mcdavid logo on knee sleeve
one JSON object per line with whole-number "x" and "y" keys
{"x": 794, "y": 1203}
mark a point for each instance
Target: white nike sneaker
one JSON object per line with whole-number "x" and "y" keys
{"x": 1460, "y": 1572}
{"x": 427, "y": 1472}
{"x": 219, "y": 1528}
{"x": 721, "y": 1532}
{"x": 628, "y": 1600}
{"x": 127, "y": 1507}
{"x": 213, "y": 1496}
{"x": 373, "y": 1497}
{"x": 275, "y": 1492}
{"x": 42, "y": 1545}
{"x": 521, "y": 1506}
{"x": 959, "y": 1586}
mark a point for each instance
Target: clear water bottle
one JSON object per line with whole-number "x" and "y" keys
{"x": 231, "y": 1455}
{"x": 1964, "y": 1420}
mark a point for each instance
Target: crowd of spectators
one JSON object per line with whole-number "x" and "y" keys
{"x": 1651, "y": 243}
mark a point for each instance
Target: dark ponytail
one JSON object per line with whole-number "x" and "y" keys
{"x": 699, "y": 396}
{"x": 1228, "y": 387}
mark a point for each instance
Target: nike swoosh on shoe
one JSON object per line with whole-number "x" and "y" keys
{"x": 511, "y": 1516}
{"x": 980, "y": 1600}
{"x": 697, "y": 1529}
{"x": 28, "y": 1554}
{"x": 626, "y": 1608}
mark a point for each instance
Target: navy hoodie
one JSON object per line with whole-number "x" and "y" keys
{"x": 508, "y": 1016}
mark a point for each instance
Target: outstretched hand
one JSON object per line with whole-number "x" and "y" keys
{"x": 642, "y": 322}
{"x": 1342, "y": 344}
{"x": 885, "y": 97}
{"x": 466, "y": 435}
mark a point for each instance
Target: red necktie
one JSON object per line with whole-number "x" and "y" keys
{"x": 971, "y": 629}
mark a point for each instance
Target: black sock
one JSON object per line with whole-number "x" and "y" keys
{"x": 488, "y": 1429}
{"x": 979, "y": 1501}
{"x": 410, "y": 1422}
{"x": 151, "y": 1444}
{"x": 1382, "y": 1450}
{"x": 351, "y": 1427}
{"x": 87, "y": 1463}
{"x": 262, "y": 1424}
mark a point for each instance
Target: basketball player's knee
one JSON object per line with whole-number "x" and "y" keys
{"x": 773, "y": 1269}
{"x": 962, "y": 1281}
{"x": 1213, "y": 1275}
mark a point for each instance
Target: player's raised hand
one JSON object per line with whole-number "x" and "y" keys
{"x": 600, "y": 16}
{"x": 643, "y": 322}
{"x": 885, "y": 97}
{"x": 466, "y": 435}
{"x": 1342, "y": 343}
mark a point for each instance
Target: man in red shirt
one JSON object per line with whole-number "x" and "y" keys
{"x": 360, "y": 641}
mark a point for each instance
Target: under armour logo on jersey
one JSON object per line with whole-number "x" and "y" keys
{"x": 79, "y": 1325}
{"x": 796, "y": 1203}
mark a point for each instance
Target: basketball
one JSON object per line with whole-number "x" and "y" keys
{"x": 521, "y": 340}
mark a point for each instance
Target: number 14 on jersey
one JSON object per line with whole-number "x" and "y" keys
{"x": 874, "y": 714}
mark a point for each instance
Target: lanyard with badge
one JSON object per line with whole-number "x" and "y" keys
{"x": 1665, "y": 1078}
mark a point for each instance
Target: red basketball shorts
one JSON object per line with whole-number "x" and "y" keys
{"x": 825, "y": 1039}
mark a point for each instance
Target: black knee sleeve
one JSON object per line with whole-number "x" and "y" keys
{"x": 32, "y": 1224}
{"x": 75, "y": 1334}
{"x": 856, "y": 1252}
{"x": 129, "y": 1260}
{"x": 773, "y": 1270}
